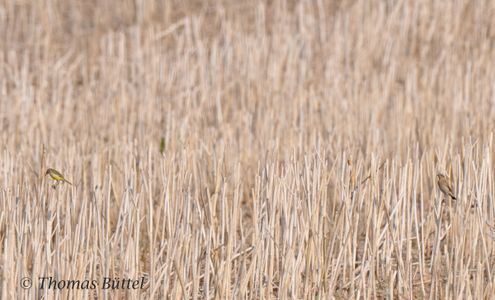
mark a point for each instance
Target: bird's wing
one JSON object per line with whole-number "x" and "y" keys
{"x": 57, "y": 173}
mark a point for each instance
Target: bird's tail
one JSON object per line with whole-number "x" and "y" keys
{"x": 71, "y": 183}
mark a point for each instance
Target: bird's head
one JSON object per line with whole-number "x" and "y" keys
{"x": 47, "y": 172}
{"x": 440, "y": 176}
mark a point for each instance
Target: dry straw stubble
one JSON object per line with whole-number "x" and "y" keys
{"x": 248, "y": 150}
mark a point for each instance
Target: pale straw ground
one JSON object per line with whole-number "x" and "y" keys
{"x": 248, "y": 149}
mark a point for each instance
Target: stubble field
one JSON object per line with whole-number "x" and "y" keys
{"x": 247, "y": 149}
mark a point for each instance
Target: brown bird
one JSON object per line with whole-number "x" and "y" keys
{"x": 444, "y": 185}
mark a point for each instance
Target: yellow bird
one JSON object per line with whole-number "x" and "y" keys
{"x": 55, "y": 175}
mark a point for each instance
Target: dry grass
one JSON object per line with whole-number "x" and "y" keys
{"x": 248, "y": 149}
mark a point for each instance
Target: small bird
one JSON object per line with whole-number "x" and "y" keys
{"x": 444, "y": 185}
{"x": 55, "y": 175}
